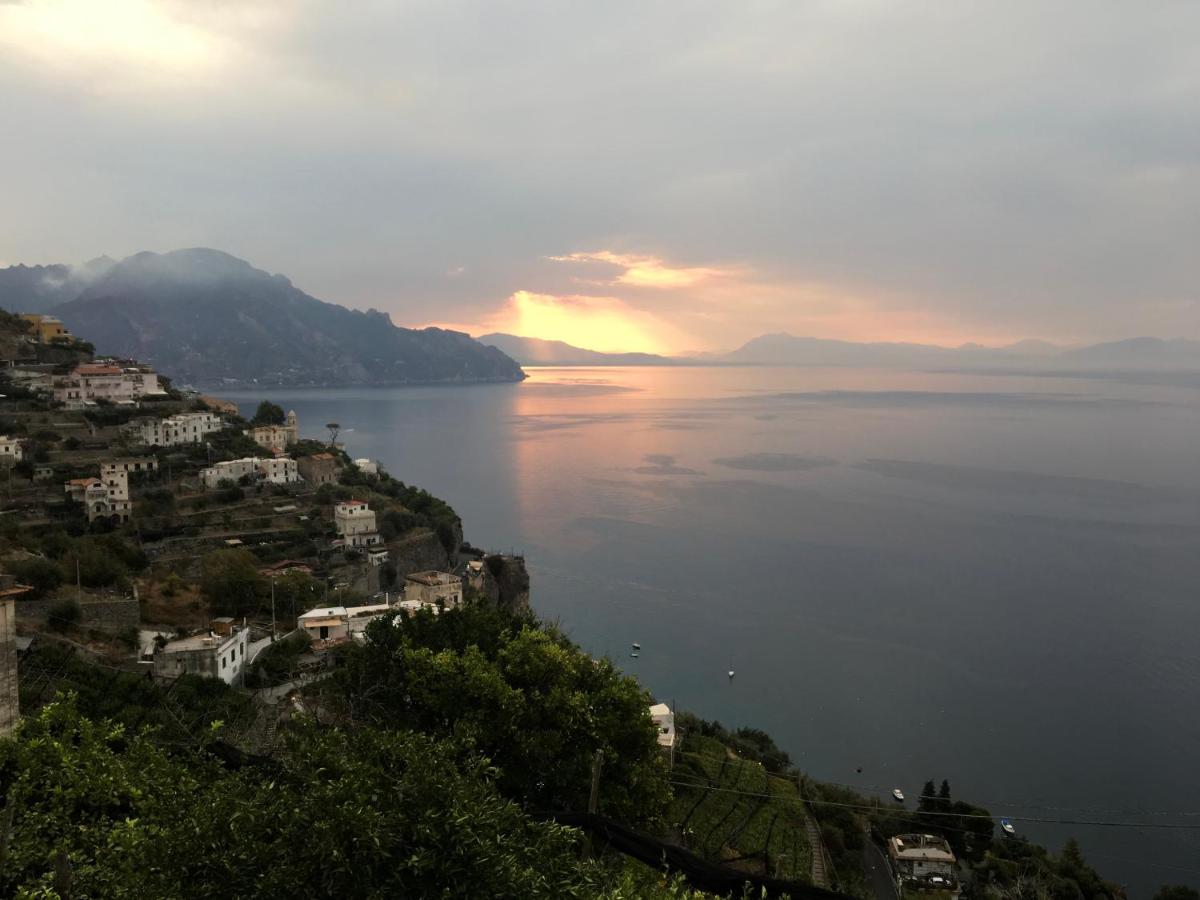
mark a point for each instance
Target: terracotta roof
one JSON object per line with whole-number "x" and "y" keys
{"x": 97, "y": 370}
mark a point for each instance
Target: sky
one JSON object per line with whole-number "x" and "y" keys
{"x": 656, "y": 176}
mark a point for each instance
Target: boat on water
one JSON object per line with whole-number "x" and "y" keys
{"x": 731, "y": 674}
{"x": 1007, "y": 826}
{"x": 634, "y": 655}
{"x": 898, "y": 794}
{"x": 637, "y": 646}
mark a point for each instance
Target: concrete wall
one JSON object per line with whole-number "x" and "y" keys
{"x": 110, "y": 614}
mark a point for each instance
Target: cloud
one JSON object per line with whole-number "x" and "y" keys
{"x": 989, "y": 171}
{"x": 647, "y": 271}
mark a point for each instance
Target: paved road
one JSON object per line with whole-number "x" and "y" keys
{"x": 879, "y": 873}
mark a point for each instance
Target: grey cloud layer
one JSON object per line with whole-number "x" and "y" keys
{"x": 1022, "y": 166}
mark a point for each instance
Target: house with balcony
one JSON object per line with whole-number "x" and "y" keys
{"x": 184, "y": 428}
{"x": 273, "y": 470}
{"x": 104, "y": 497}
{"x": 355, "y": 524}
{"x": 92, "y": 382}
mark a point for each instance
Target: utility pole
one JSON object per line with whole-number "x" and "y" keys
{"x": 593, "y": 800}
{"x": 272, "y": 608}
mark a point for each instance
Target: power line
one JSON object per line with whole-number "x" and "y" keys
{"x": 1015, "y": 818}
{"x": 1030, "y": 804}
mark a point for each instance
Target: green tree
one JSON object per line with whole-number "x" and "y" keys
{"x": 268, "y": 413}
{"x": 528, "y": 699}
{"x": 928, "y": 799}
{"x": 373, "y": 814}
{"x": 231, "y": 583}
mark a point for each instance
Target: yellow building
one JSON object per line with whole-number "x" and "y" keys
{"x": 46, "y": 328}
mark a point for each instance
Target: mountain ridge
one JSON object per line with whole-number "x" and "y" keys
{"x": 540, "y": 352}
{"x": 781, "y": 348}
{"x": 209, "y": 318}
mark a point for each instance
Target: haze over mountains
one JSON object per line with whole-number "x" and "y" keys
{"x": 209, "y": 318}
{"x": 1141, "y": 354}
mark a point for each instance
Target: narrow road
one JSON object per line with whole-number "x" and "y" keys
{"x": 878, "y": 872}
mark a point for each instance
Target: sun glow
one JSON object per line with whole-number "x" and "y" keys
{"x": 79, "y": 34}
{"x": 596, "y": 323}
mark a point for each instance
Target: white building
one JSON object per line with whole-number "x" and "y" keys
{"x": 337, "y": 623}
{"x": 432, "y": 587}
{"x": 355, "y": 523}
{"x": 276, "y": 437}
{"x": 924, "y": 858}
{"x": 129, "y": 465}
{"x": 98, "y": 381}
{"x": 664, "y": 721}
{"x": 275, "y": 470}
{"x": 327, "y": 623}
{"x": 367, "y": 466}
{"x": 103, "y": 497}
{"x": 209, "y": 655}
{"x": 184, "y": 428}
{"x": 279, "y": 470}
{"x": 11, "y": 450}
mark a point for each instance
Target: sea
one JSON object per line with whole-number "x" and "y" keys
{"x": 992, "y": 579}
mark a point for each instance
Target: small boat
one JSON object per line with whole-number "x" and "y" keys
{"x": 634, "y": 655}
{"x": 731, "y": 674}
{"x": 637, "y": 646}
{"x": 1007, "y": 826}
{"x": 898, "y": 794}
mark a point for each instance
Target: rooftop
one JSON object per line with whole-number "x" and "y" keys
{"x": 432, "y": 578}
{"x": 199, "y": 642}
{"x": 328, "y": 612}
{"x": 928, "y": 847}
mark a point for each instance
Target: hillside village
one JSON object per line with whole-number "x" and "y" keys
{"x": 156, "y": 530}
{"x": 155, "y": 543}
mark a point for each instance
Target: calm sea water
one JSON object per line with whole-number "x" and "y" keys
{"x": 989, "y": 579}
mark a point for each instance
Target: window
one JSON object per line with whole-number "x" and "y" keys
{"x": 224, "y": 661}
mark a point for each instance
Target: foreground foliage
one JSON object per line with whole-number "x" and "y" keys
{"x": 373, "y": 814}
{"x": 528, "y": 699}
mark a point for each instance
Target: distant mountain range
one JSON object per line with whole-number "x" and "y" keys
{"x": 1134, "y": 353}
{"x": 208, "y": 318}
{"x": 1141, "y": 354}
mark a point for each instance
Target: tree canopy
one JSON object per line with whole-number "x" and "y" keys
{"x": 528, "y": 699}
{"x": 268, "y": 413}
{"x": 375, "y": 814}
